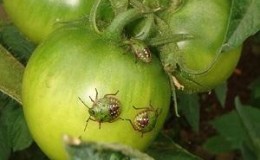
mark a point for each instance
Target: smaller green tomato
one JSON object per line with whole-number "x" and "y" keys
{"x": 38, "y": 18}
{"x": 106, "y": 109}
{"x": 197, "y": 63}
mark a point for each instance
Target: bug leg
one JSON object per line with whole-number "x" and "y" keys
{"x": 86, "y": 124}
{"x": 129, "y": 120}
{"x": 142, "y": 135}
{"x": 137, "y": 108}
{"x": 83, "y": 102}
{"x": 91, "y": 99}
{"x": 121, "y": 118}
{"x": 96, "y": 94}
{"x": 151, "y": 106}
{"x": 136, "y": 58}
{"x": 111, "y": 94}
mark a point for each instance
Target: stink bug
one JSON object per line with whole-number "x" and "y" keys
{"x": 140, "y": 49}
{"x": 145, "y": 120}
{"x": 106, "y": 109}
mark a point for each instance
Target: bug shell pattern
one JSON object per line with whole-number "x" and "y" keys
{"x": 106, "y": 109}
{"x": 145, "y": 120}
{"x": 141, "y": 50}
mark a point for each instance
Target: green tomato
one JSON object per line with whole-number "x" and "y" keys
{"x": 73, "y": 71}
{"x": 38, "y": 18}
{"x": 200, "y": 66}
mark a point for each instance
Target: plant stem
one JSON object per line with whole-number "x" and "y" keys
{"x": 11, "y": 72}
{"x": 93, "y": 16}
{"x": 145, "y": 31}
{"x": 115, "y": 29}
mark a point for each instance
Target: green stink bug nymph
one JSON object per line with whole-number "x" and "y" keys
{"x": 140, "y": 49}
{"x": 106, "y": 109}
{"x": 145, "y": 120}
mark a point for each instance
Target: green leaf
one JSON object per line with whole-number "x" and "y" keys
{"x": 217, "y": 144}
{"x": 5, "y": 149}
{"x": 250, "y": 119}
{"x": 241, "y": 128}
{"x": 230, "y": 127}
{"x": 244, "y": 21}
{"x": 20, "y": 135}
{"x": 17, "y": 132}
{"x": 255, "y": 87}
{"x": 247, "y": 153}
{"x": 221, "y": 93}
{"x": 164, "y": 148}
{"x": 11, "y": 73}
{"x": 190, "y": 107}
{"x": 79, "y": 150}
{"x": 16, "y": 43}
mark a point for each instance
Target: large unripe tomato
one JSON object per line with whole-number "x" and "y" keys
{"x": 37, "y": 18}
{"x": 200, "y": 65}
{"x": 67, "y": 68}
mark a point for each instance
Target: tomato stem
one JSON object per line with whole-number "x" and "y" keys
{"x": 162, "y": 40}
{"x": 145, "y": 31}
{"x": 115, "y": 29}
{"x": 93, "y": 15}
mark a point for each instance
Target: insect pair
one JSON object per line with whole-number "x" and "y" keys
{"x": 108, "y": 109}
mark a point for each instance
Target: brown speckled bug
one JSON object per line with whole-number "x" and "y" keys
{"x": 140, "y": 49}
{"x": 145, "y": 120}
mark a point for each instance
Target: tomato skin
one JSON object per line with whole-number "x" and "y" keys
{"x": 201, "y": 68}
{"x": 38, "y": 18}
{"x": 70, "y": 64}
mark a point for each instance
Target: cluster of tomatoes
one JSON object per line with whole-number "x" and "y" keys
{"x": 143, "y": 50}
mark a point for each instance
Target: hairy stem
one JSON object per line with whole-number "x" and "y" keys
{"x": 115, "y": 29}
{"x": 11, "y": 72}
{"x": 93, "y": 16}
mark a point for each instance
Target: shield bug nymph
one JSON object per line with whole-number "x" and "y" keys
{"x": 145, "y": 120}
{"x": 140, "y": 49}
{"x": 106, "y": 109}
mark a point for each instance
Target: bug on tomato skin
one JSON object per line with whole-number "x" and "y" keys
{"x": 140, "y": 49}
{"x": 145, "y": 120}
{"x": 106, "y": 109}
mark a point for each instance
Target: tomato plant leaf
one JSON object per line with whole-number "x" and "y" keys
{"x": 5, "y": 149}
{"x": 18, "y": 134}
{"x": 16, "y": 43}
{"x": 79, "y": 150}
{"x": 217, "y": 144}
{"x": 255, "y": 87}
{"x": 229, "y": 126}
{"x": 247, "y": 153}
{"x": 190, "y": 107}
{"x": 165, "y": 148}
{"x": 14, "y": 134}
{"x": 221, "y": 93}
{"x": 240, "y": 127}
{"x": 21, "y": 137}
{"x": 244, "y": 21}
{"x": 250, "y": 119}
{"x": 11, "y": 72}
